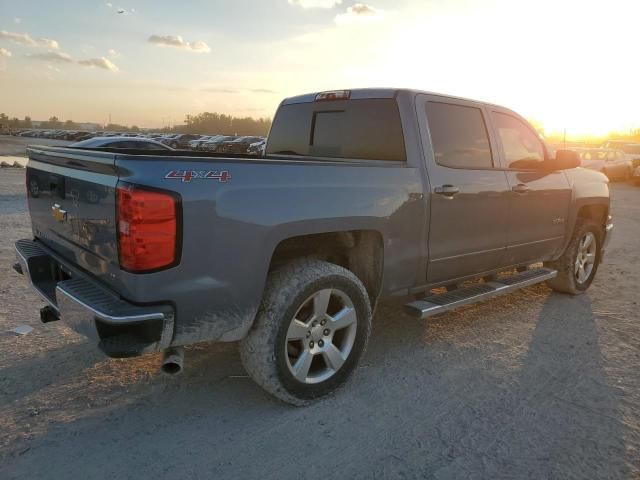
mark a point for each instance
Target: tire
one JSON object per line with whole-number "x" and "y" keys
{"x": 569, "y": 280}
{"x": 293, "y": 300}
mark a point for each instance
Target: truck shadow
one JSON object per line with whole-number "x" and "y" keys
{"x": 441, "y": 399}
{"x": 562, "y": 418}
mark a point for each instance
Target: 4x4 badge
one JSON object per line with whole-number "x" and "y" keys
{"x": 188, "y": 175}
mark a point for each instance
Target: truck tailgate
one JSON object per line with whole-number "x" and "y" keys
{"x": 71, "y": 197}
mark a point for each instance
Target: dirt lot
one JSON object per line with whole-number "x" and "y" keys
{"x": 531, "y": 385}
{"x": 16, "y": 146}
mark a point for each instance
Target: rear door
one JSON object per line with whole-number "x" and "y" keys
{"x": 539, "y": 198}
{"x": 468, "y": 194}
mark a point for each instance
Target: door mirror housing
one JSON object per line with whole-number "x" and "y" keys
{"x": 564, "y": 160}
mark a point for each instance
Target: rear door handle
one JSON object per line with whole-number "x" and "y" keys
{"x": 447, "y": 190}
{"x": 520, "y": 188}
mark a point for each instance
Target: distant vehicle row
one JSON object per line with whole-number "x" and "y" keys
{"x": 233, "y": 144}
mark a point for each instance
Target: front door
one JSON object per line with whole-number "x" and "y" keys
{"x": 468, "y": 194}
{"x": 539, "y": 198}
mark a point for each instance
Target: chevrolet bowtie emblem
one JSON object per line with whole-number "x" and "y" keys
{"x": 58, "y": 213}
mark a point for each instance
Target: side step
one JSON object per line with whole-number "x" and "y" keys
{"x": 442, "y": 302}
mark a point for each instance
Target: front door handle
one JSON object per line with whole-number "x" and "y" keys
{"x": 520, "y": 188}
{"x": 447, "y": 190}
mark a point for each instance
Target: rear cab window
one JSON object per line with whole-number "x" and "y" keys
{"x": 367, "y": 129}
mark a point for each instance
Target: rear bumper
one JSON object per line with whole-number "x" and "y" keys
{"x": 120, "y": 328}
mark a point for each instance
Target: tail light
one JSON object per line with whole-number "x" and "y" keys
{"x": 148, "y": 223}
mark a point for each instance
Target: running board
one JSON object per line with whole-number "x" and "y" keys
{"x": 442, "y": 302}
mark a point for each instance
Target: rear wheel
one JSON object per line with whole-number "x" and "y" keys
{"x": 311, "y": 330}
{"x": 578, "y": 264}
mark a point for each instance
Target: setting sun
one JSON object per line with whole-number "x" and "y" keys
{"x": 569, "y": 66}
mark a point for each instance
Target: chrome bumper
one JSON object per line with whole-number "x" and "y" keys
{"x": 608, "y": 230}
{"x": 121, "y": 328}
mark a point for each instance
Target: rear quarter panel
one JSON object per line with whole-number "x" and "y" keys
{"x": 230, "y": 230}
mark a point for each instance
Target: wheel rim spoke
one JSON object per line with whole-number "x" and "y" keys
{"x": 312, "y": 332}
{"x": 297, "y": 330}
{"x": 344, "y": 318}
{"x": 586, "y": 257}
{"x": 333, "y": 357}
{"x": 302, "y": 365}
{"x": 321, "y": 302}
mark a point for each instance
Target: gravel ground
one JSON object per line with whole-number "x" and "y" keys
{"x": 530, "y": 385}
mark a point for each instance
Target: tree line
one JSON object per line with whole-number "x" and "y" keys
{"x": 205, "y": 123}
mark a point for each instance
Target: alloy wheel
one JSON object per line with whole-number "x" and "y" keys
{"x": 586, "y": 257}
{"x": 321, "y": 336}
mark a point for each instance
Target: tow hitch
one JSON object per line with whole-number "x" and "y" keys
{"x": 48, "y": 314}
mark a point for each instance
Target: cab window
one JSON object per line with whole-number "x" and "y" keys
{"x": 522, "y": 148}
{"x": 459, "y": 136}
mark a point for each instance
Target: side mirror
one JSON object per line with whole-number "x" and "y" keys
{"x": 565, "y": 159}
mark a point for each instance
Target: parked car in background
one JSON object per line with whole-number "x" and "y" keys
{"x": 121, "y": 142}
{"x": 257, "y": 148}
{"x": 238, "y": 145}
{"x": 631, "y": 150}
{"x": 181, "y": 140}
{"x": 613, "y": 163}
{"x": 193, "y": 144}
{"x": 212, "y": 145}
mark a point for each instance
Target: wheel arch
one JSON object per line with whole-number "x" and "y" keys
{"x": 360, "y": 251}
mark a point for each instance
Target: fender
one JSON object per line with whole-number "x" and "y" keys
{"x": 589, "y": 188}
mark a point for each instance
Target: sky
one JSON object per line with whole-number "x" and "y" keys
{"x": 564, "y": 63}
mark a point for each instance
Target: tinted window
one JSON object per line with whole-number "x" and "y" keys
{"x": 458, "y": 136}
{"x": 522, "y": 148}
{"x": 366, "y": 129}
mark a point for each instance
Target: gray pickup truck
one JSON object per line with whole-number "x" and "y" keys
{"x": 361, "y": 194}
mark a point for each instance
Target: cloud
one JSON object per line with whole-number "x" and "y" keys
{"x": 57, "y": 57}
{"x": 315, "y": 3}
{"x": 109, "y": 4}
{"x": 178, "y": 42}
{"x": 5, "y": 53}
{"x": 113, "y": 53}
{"x": 17, "y": 20}
{"x": 263, "y": 90}
{"x": 359, "y": 13}
{"x": 100, "y": 62}
{"x": 238, "y": 90}
{"x": 220, "y": 90}
{"x": 26, "y": 39}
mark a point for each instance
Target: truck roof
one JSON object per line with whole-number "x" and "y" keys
{"x": 362, "y": 93}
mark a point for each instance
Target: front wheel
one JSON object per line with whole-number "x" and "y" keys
{"x": 311, "y": 330}
{"x": 578, "y": 264}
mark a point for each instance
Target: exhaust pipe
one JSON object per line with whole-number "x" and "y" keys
{"x": 173, "y": 360}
